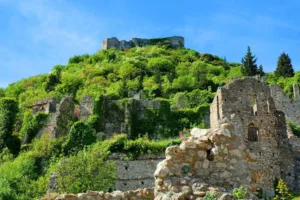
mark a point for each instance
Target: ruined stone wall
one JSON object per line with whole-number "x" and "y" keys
{"x": 58, "y": 119}
{"x": 117, "y": 116}
{"x": 176, "y": 41}
{"x": 86, "y": 107}
{"x": 212, "y": 160}
{"x": 285, "y": 104}
{"x": 249, "y": 105}
{"x": 138, "y": 173}
{"x": 47, "y": 105}
{"x": 250, "y": 149}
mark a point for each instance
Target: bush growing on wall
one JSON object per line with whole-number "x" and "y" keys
{"x": 31, "y": 125}
{"x": 8, "y": 111}
{"x": 239, "y": 193}
{"x": 79, "y": 136}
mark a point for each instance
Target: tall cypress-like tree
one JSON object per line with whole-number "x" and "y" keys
{"x": 8, "y": 112}
{"x": 261, "y": 70}
{"x": 249, "y": 67}
{"x": 284, "y": 66}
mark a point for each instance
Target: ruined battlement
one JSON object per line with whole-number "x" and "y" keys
{"x": 175, "y": 41}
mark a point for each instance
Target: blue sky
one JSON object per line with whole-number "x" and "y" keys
{"x": 35, "y": 35}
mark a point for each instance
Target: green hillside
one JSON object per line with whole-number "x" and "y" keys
{"x": 184, "y": 78}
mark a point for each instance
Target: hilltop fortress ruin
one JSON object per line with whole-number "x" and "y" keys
{"x": 249, "y": 143}
{"x": 174, "y": 41}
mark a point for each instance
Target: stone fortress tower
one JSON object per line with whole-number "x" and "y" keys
{"x": 175, "y": 41}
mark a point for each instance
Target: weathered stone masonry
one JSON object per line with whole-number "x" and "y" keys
{"x": 248, "y": 144}
{"x": 59, "y": 115}
{"x": 176, "y": 41}
{"x": 138, "y": 173}
{"x": 285, "y": 104}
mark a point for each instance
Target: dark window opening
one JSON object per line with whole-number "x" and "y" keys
{"x": 252, "y": 133}
{"x": 209, "y": 155}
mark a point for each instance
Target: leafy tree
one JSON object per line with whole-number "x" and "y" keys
{"x": 78, "y": 59}
{"x": 180, "y": 100}
{"x": 249, "y": 67}
{"x": 79, "y": 136}
{"x": 52, "y": 80}
{"x": 284, "y": 66}
{"x": 15, "y": 177}
{"x": 70, "y": 84}
{"x": 85, "y": 171}
{"x": 8, "y": 112}
{"x": 2, "y": 93}
{"x": 161, "y": 66}
{"x": 261, "y": 71}
{"x": 199, "y": 97}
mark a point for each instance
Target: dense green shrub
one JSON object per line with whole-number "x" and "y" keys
{"x": 79, "y": 136}
{"x": 31, "y": 125}
{"x": 52, "y": 80}
{"x": 93, "y": 121}
{"x": 70, "y": 83}
{"x": 15, "y": 176}
{"x": 8, "y": 112}
{"x": 27, "y": 176}
{"x": 78, "y": 59}
{"x": 199, "y": 97}
{"x": 85, "y": 171}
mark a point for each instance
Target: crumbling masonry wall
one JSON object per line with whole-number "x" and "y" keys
{"x": 138, "y": 173}
{"x": 248, "y": 145}
{"x": 176, "y": 41}
{"x": 118, "y": 116}
{"x": 59, "y": 116}
{"x": 285, "y": 104}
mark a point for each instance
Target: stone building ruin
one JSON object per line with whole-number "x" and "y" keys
{"x": 249, "y": 144}
{"x": 175, "y": 41}
{"x": 138, "y": 173}
{"x": 285, "y": 104}
{"x": 58, "y": 115}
